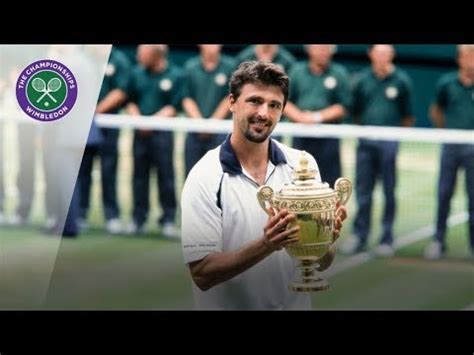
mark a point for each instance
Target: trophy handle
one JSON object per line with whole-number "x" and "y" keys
{"x": 264, "y": 195}
{"x": 343, "y": 187}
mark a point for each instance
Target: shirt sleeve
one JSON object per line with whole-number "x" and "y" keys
{"x": 293, "y": 89}
{"x": 441, "y": 98}
{"x": 406, "y": 102}
{"x": 201, "y": 225}
{"x": 177, "y": 93}
{"x": 132, "y": 86}
{"x": 343, "y": 91}
{"x": 123, "y": 75}
{"x": 357, "y": 97}
{"x": 186, "y": 88}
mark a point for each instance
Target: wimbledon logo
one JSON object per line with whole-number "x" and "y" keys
{"x": 46, "y": 90}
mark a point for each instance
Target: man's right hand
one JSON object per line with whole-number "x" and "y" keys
{"x": 276, "y": 234}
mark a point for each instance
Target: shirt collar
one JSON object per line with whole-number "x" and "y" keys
{"x": 230, "y": 163}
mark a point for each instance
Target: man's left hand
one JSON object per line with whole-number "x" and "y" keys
{"x": 341, "y": 215}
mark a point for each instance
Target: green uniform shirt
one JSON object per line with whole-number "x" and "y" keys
{"x": 152, "y": 91}
{"x": 117, "y": 75}
{"x": 309, "y": 91}
{"x": 382, "y": 102}
{"x": 283, "y": 57}
{"x": 207, "y": 88}
{"x": 456, "y": 101}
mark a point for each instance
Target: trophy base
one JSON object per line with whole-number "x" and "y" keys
{"x": 313, "y": 285}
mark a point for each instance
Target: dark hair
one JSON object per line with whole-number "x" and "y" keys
{"x": 258, "y": 72}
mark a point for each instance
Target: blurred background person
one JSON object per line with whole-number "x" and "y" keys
{"x": 103, "y": 142}
{"x": 453, "y": 108}
{"x": 205, "y": 96}
{"x": 28, "y": 143}
{"x": 268, "y": 52}
{"x": 3, "y": 86}
{"x": 2, "y": 183}
{"x": 382, "y": 97}
{"x": 28, "y": 148}
{"x": 154, "y": 91}
{"x": 65, "y": 140}
{"x": 72, "y": 225}
{"x": 319, "y": 93}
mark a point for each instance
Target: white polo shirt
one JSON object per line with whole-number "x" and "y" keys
{"x": 220, "y": 212}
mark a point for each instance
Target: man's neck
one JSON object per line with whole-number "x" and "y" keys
{"x": 383, "y": 72}
{"x": 252, "y": 156}
{"x": 210, "y": 62}
{"x": 159, "y": 66}
{"x": 466, "y": 79}
{"x": 317, "y": 68}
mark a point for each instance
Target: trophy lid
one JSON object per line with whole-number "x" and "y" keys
{"x": 304, "y": 183}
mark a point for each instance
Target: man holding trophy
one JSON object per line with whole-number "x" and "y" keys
{"x": 233, "y": 247}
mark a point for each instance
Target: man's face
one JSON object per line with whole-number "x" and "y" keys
{"x": 149, "y": 55}
{"x": 256, "y": 111}
{"x": 381, "y": 55}
{"x": 466, "y": 62}
{"x": 320, "y": 53}
{"x": 210, "y": 49}
{"x": 146, "y": 55}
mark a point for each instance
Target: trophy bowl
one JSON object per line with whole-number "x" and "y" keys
{"x": 314, "y": 205}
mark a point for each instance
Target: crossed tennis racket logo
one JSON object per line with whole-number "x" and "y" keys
{"x": 40, "y": 85}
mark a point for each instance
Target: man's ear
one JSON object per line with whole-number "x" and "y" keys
{"x": 231, "y": 103}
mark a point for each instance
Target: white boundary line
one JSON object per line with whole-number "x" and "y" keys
{"x": 469, "y": 308}
{"x": 413, "y": 237}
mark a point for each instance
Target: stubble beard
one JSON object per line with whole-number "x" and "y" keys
{"x": 254, "y": 136}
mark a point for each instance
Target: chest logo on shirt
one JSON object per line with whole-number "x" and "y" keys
{"x": 166, "y": 84}
{"x": 220, "y": 79}
{"x": 109, "y": 69}
{"x": 330, "y": 82}
{"x": 391, "y": 92}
